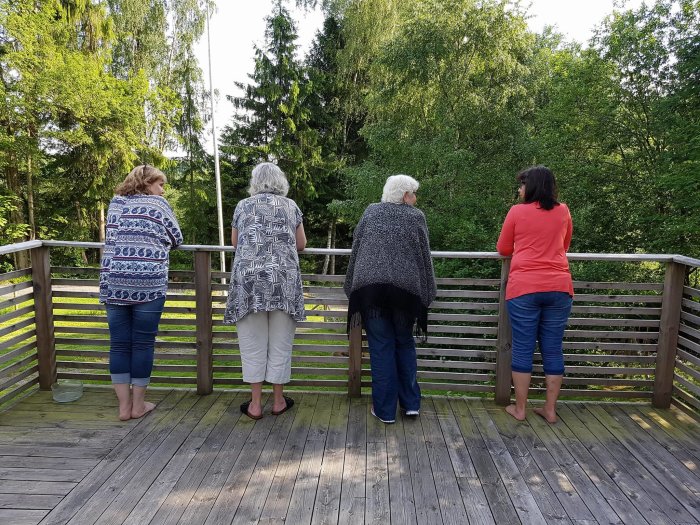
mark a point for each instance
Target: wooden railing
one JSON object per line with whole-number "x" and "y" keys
{"x": 625, "y": 339}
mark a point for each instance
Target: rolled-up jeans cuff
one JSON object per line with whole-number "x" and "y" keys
{"x": 140, "y": 381}
{"x": 121, "y": 379}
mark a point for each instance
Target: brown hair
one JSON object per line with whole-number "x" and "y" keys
{"x": 138, "y": 181}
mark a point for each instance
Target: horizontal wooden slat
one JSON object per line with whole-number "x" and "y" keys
{"x": 687, "y": 385}
{"x": 463, "y": 318}
{"x": 686, "y": 397}
{"x": 453, "y": 387}
{"x": 612, "y": 394}
{"x": 25, "y": 310}
{"x": 687, "y": 343}
{"x": 15, "y": 288}
{"x": 16, "y": 301}
{"x": 593, "y": 345}
{"x": 17, "y": 339}
{"x": 693, "y": 306}
{"x": 689, "y": 331}
{"x": 471, "y": 294}
{"x": 598, "y": 371}
{"x": 73, "y": 283}
{"x": 17, "y": 326}
{"x": 19, "y": 377}
{"x": 692, "y": 292}
{"x": 102, "y": 354}
{"x": 458, "y": 305}
{"x": 91, "y": 365}
{"x": 15, "y": 274}
{"x": 105, "y": 342}
{"x": 687, "y": 356}
{"x": 18, "y": 390}
{"x": 9, "y": 370}
{"x": 105, "y": 378}
{"x": 596, "y": 321}
{"x": 599, "y": 298}
{"x": 9, "y": 356}
{"x": 460, "y": 329}
{"x": 461, "y": 341}
{"x": 617, "y": 310}
{"x": 456, "y": 365}
{"x": 690, "y": 318}
{"x": 590, "y": 285}
{"x": 611, "y": 334}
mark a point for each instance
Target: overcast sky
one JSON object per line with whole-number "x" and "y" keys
{"x": 238, "y": 24}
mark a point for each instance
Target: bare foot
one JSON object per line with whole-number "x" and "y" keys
{"x": 517, "y": 414}
{"x": 550, "y": 417}
{"x": 125, "y": 413}
{"x": 147, "y": 407}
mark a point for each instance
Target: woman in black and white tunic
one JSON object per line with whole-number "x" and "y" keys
{"x": 265, "y": 297}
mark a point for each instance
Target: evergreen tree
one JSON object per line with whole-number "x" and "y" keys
{"x": 272, "y": 118}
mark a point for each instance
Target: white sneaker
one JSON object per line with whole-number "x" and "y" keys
{"x": 386, "y": 421}
{"x": 412, "y": 413}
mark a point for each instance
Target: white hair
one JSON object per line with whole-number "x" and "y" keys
{"x": 396, "y": 186}
{"x": 268, "y": 178}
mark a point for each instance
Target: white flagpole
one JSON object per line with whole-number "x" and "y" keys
{"x": 217, "y": 171}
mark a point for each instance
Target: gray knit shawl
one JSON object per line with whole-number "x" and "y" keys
{"x": 390, "y": 246}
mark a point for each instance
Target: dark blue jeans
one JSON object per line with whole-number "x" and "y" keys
{"x": 392, "y": 354}
{"x": 132, "y": 337}
{"x": 539, "y": 317}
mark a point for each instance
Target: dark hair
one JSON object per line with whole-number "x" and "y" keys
{"x": 540, "y": 186}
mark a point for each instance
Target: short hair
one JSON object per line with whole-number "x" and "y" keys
{"x": 139, "y": 179}
{"x": 540, "y": 186}
{"x": 268, "y": 178}
{"x": 396, "y": 186}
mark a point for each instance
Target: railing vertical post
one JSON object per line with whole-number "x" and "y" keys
{"x": 668, "y": 334}
{"x": 203, "y": 316}
{"x": 43, "y": 315}
{"x": 355, "y": 362}
{"x": 504, "y": 342}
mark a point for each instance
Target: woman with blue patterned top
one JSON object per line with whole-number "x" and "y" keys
{"x": 265, "y": 298}
{"x": 140, "y": 231}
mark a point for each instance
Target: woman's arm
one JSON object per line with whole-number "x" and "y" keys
{"x": 300, "y": 237}
{"x": 505, "y": 244}
{"x": 234, "y": 237}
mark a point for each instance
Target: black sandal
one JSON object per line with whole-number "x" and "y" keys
{"x": 244, "y": 410}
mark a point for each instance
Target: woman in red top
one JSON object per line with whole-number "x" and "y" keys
{"x": 539, "y": 292}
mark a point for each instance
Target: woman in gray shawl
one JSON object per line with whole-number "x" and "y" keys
{"x": 390, "y": 284}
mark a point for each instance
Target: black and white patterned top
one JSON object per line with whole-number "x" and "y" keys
{"x": 265, "y": 274}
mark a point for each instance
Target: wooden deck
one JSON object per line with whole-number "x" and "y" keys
{"x": 196, "y": 460}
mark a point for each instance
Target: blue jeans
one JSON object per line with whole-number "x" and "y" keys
{"x": 392, "y": 355}
{"x": 132, "y": 337}
{"x": 539, "y": 317}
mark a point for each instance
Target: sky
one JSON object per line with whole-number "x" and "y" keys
{"x": 238, "y": 24}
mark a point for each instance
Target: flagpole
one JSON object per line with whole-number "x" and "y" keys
{"x": 217, "y": 171}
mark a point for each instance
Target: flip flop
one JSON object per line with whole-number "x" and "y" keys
{"x": 244, "y": 410}
{"x": 290, "y": 404}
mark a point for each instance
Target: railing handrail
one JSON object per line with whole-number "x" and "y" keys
{"x": 612, "y": 257}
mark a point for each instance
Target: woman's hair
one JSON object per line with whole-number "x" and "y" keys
{"x": 540, "y": 186}
{"x": 138, "y": 181}
{"x": 268, "y": 178}
{"x": 396, "y": 186}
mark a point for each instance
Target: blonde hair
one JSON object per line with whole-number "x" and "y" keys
{"x": 139, "y": 179}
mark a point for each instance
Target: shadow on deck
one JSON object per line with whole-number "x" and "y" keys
{"x": 196, "y": 460}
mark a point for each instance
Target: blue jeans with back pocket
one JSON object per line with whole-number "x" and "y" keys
{"x": 539, "y": 318}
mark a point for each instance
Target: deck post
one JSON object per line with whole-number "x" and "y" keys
{"x": 355, "y": 362}
{"x": 203, "y": 315}
{"x": 504, "y": 342}
{"x": 43, "y": 316}
{"x": 668, "y": 334}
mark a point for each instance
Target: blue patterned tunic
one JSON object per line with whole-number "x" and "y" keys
{"x": 265, "y": 274}
{"x": 140, "y": 231}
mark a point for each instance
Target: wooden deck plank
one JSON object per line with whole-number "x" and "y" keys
{"x": 655, "y": 458}
{"x": 524, "y": 502}
{"x": 301, "y": 503}
{"x": 217, "y": 478}
{"x": 327, "y": 505}
{"x": 500, "y": 503}
{"x": 615, "y": 467}
{"x": 658, "y": 492}
{"x": 425, "y": 495}
{"x": 594, "y": 500}
{"x": 615, "y": 497}
{"x": 75, "y": 501}
{"x": 328, "y": 461}
{"x": 687, "y": 452}
{"x": 514, "y": 436}
{"x": 471, "y": 492}
{"x": 402, "y": 506}
{"x": 260, "y": 448}
{"x": 352, "y": 494}
{"x": 169, "y": 476}
{"x": 452, "y": 508}
{"x": 21, "y": 517}
{"x": 277, "y": 503}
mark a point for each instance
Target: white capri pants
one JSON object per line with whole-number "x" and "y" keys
{"x": 265, "y": 340}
